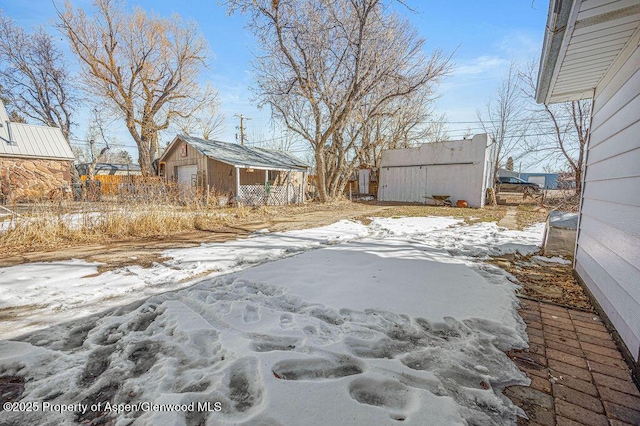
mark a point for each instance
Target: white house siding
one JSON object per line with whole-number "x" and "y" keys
{"x": 462, "y": 169}
{"x": 608, "y": 246}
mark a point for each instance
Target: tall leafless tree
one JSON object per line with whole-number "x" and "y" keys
{"x": 505, "y": 120}
{"x": 206, "y": 123}
{"x": 36, "y": 80}
{"x": 561, "y": 129}
{"x": 35, "y": 77}
{"x": 329, "y": 66}
{"x": 144, "y": 66}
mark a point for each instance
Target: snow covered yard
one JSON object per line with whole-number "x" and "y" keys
{"x": 398, "y": 321}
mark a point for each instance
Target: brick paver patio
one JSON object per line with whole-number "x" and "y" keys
{"x": 578, "y": 376}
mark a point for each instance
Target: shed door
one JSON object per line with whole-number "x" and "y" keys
{"x": 403, "y": 184}
{"x": 187, "y": 176}
{"x": 363, "y": 181}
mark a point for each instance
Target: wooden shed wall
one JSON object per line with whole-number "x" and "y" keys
{"x": 608, "y": 246}
{"x": 221, "y": 177}
{"x": 175, "y": 159}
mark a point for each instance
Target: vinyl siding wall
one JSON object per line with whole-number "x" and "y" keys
{"x": 608, "y": 246}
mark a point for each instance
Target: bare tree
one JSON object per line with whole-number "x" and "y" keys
{"x": 144, "y": 66}
{"x": 437, "y": 130}
{"x": 561, "y": 129}
{"x": 35, "y": 77}
{"x": 401, "y": 124}
{"x": 330, "y": 65}
{"x": 206, "y": 122}
{"x": 285, "y": 142}
{"x": 505, "y": 120}
{"x": 509, "y": 165}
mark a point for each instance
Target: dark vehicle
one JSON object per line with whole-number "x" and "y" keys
{"x": 514, "y": 184}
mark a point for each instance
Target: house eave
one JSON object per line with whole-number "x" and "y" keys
{"x": 558, "y": 18}
{"x": 585, "y": 43}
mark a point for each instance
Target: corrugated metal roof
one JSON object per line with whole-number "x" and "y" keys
{"x": 578, "y": 52}
{"x": 242, "y": 156}
{"x": 28, "y": 140}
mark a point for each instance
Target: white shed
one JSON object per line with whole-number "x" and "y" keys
{"x": 592, "y": 50}
{"x": 462, "y": 169}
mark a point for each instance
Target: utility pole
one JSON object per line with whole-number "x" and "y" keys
{"x": 242, "y": 135}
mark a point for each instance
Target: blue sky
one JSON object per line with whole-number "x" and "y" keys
{"x": 484, "y": 36}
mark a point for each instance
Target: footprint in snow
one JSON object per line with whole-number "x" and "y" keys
{"x": 245, "y": 387}
{"x": 286, "y": 320}
{"x": 266, "y": 343}
{"x": 251, "y": 314}
{"x": 396, "y": 398}
{"x": 316, "y": 368}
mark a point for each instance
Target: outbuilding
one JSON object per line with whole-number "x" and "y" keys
{"x": 592, "y": 50}
{"x": 460, "y": 169}
{"x": 248, "y": 175}
{"x": 35, "y": 161}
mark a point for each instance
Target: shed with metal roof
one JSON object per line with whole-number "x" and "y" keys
{"x": 245, "y": 174}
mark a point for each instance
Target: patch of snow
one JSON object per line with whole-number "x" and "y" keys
{"x": 555, "y": 259}
{"x": 413, "y": 225}
{"x": 397, "y": 321}
{"x": 50, "y": 292}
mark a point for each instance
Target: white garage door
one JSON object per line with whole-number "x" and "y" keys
{"x": 187, "y": 176}
{"x": 407, "y": 184}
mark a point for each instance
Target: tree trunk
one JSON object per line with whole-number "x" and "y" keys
{"x": 320, "y": 170}
{"x": 75, "y": 176}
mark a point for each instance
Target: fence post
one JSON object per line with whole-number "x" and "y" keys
{"x": 288, "y": 183}
{"x": 237, "y": 186}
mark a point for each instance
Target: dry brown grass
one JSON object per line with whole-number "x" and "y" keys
{"x": 158, "y": 214}
{"x": 487, "y": 214}
{"x": 528, "y": 215}
{"x": 146, "y": 209}
{"x": 562, "y": 200}
{"x": 45, "y": 226}
{"x": 152, "y": 210}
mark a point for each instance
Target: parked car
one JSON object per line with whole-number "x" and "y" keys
{"x": 514, "y": 184}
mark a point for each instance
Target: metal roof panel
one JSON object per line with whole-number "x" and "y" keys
{"x": 29, "y": 140}
{"x": 244, "y": 156}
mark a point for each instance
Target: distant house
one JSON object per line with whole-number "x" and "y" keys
{"x": 592, "y": 50}
{"x": 461, "y": 169}
{"x": 35, "y": 161}
{"x": 248, "y": 175}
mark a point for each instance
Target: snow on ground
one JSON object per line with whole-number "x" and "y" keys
{"x": 45, "y": 293}
{"x": 395, "y": 322}
{"x": 554, "y": 259}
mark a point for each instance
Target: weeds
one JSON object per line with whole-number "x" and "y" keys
{"x": 148, "y": 209}
{"x": 470, "y": 216}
